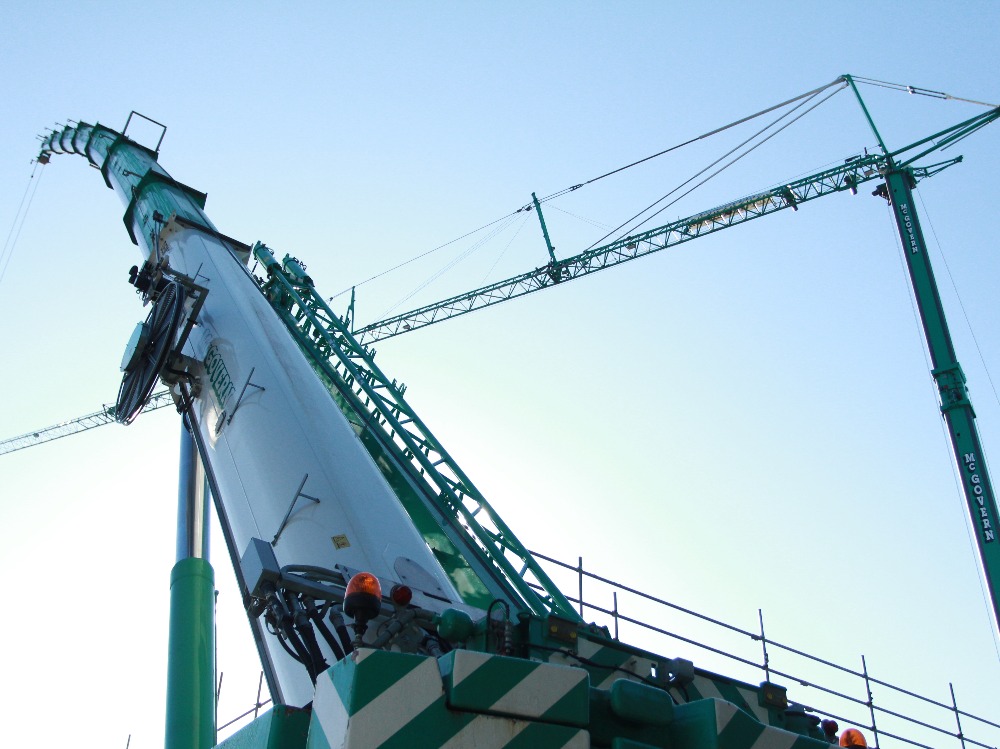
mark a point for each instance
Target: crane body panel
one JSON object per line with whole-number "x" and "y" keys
{"x": 287, "y": 445}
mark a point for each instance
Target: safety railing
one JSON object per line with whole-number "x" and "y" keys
{"x": 837, "y": 691}
{"x": 841, "y": 693}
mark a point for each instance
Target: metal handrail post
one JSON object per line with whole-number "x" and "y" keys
{"x": 763, "y": 644}
{"x": 958, "y": 719}
{"x": 871, "y": 700}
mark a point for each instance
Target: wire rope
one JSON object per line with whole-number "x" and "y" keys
{"x": 422, "y": 255}
{"x": 710, "y": 133}
{"x": 455, "y": 261}
{"x": 807, "y": 95}
{"x": 961, "y": 303}
{"x": 722, "y": 169}
{"x": 9, "y": 245}
{"x": 506, "y": 247}
{"x": 918, "y": 91}
{"x": 584, "y": 219}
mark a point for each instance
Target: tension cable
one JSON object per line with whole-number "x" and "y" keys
{"x": 805, "y": 96}
{"x": 917, "y": 91}
{"x": 761, "y": 113}
{"x": 725, "y": 166}
{"x": 18, "y": 222}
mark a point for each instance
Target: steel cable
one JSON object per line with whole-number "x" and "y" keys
{"x": 8, "y": 247}
{"x": 807, "y": 96}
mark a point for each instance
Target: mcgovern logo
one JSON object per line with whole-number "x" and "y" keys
{"x": 911, "y": 234}
{"x": 980, "y": 498}
{"x": 218, "y": 375}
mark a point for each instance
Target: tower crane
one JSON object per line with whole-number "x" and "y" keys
{"x": 342, "y": 444}
{"x": 100, "y": 418}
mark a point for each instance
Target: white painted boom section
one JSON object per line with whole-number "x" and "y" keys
{"x": 285, "y": 429}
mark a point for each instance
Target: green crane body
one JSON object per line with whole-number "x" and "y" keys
{"x": 599, "y": 691}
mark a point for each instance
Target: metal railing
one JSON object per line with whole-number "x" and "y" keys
{"x": 884, "y": 720}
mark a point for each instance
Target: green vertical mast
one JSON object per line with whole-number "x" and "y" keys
{"x": 947, "y": 372}
{"x": 190, "y": 720}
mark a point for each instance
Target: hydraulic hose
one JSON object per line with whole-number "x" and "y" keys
{"x": 317, "y": 617}
{"x": 338, "y": 624}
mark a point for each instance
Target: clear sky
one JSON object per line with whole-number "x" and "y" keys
{"x": 746, "y": 422}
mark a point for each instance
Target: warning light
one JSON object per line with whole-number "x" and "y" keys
{"x": 365, "y": 582}
{"x": 853, "y": 737}
{"x": 401, "y": 595}
{"x": 363, "y": 599}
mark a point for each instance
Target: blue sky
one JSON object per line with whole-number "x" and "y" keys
{"x": 744, "y": 422}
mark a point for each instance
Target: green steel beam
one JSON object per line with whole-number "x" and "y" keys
{"x": 868, "y": 117}
{"x": 953, "y": 395}
{"x": 545, "y": 231}
{"x": 191, "y": 662}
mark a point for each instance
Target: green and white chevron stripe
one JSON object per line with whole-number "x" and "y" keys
{"x": 516, "y": 687}
{"x": 605, "y": 664}
{"x": 717, "y": 724}
{"x": 398, "y": 701}
{"x": 744, "y": 696}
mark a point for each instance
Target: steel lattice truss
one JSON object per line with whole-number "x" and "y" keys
{"x": 80, "y": 424}
{"x": 375, "y": 403}
{"x": 847, "y": 177}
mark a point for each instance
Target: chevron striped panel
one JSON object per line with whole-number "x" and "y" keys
{"x": 744, "y": 696}
{"x": 605, "y": 664}
{"x": 716, "y": 724}
{"x": 376, "y": 699}
{"x": 516, "y": 687}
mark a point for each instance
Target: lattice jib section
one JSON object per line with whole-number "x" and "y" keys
{"x": 377, "y": 403}
{"x": 845, "y": 177}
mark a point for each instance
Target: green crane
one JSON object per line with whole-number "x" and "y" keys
{"x": 947, "y": 372}
{"x": 339, "y": 355}
{"x": 900, "y": 175}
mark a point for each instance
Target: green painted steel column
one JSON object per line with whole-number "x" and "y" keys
{"x": 191, "y": 662}
{"x": 545, "y": 231}
{"x": 191, "y": 715}
{"x": 953, "y": 394}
